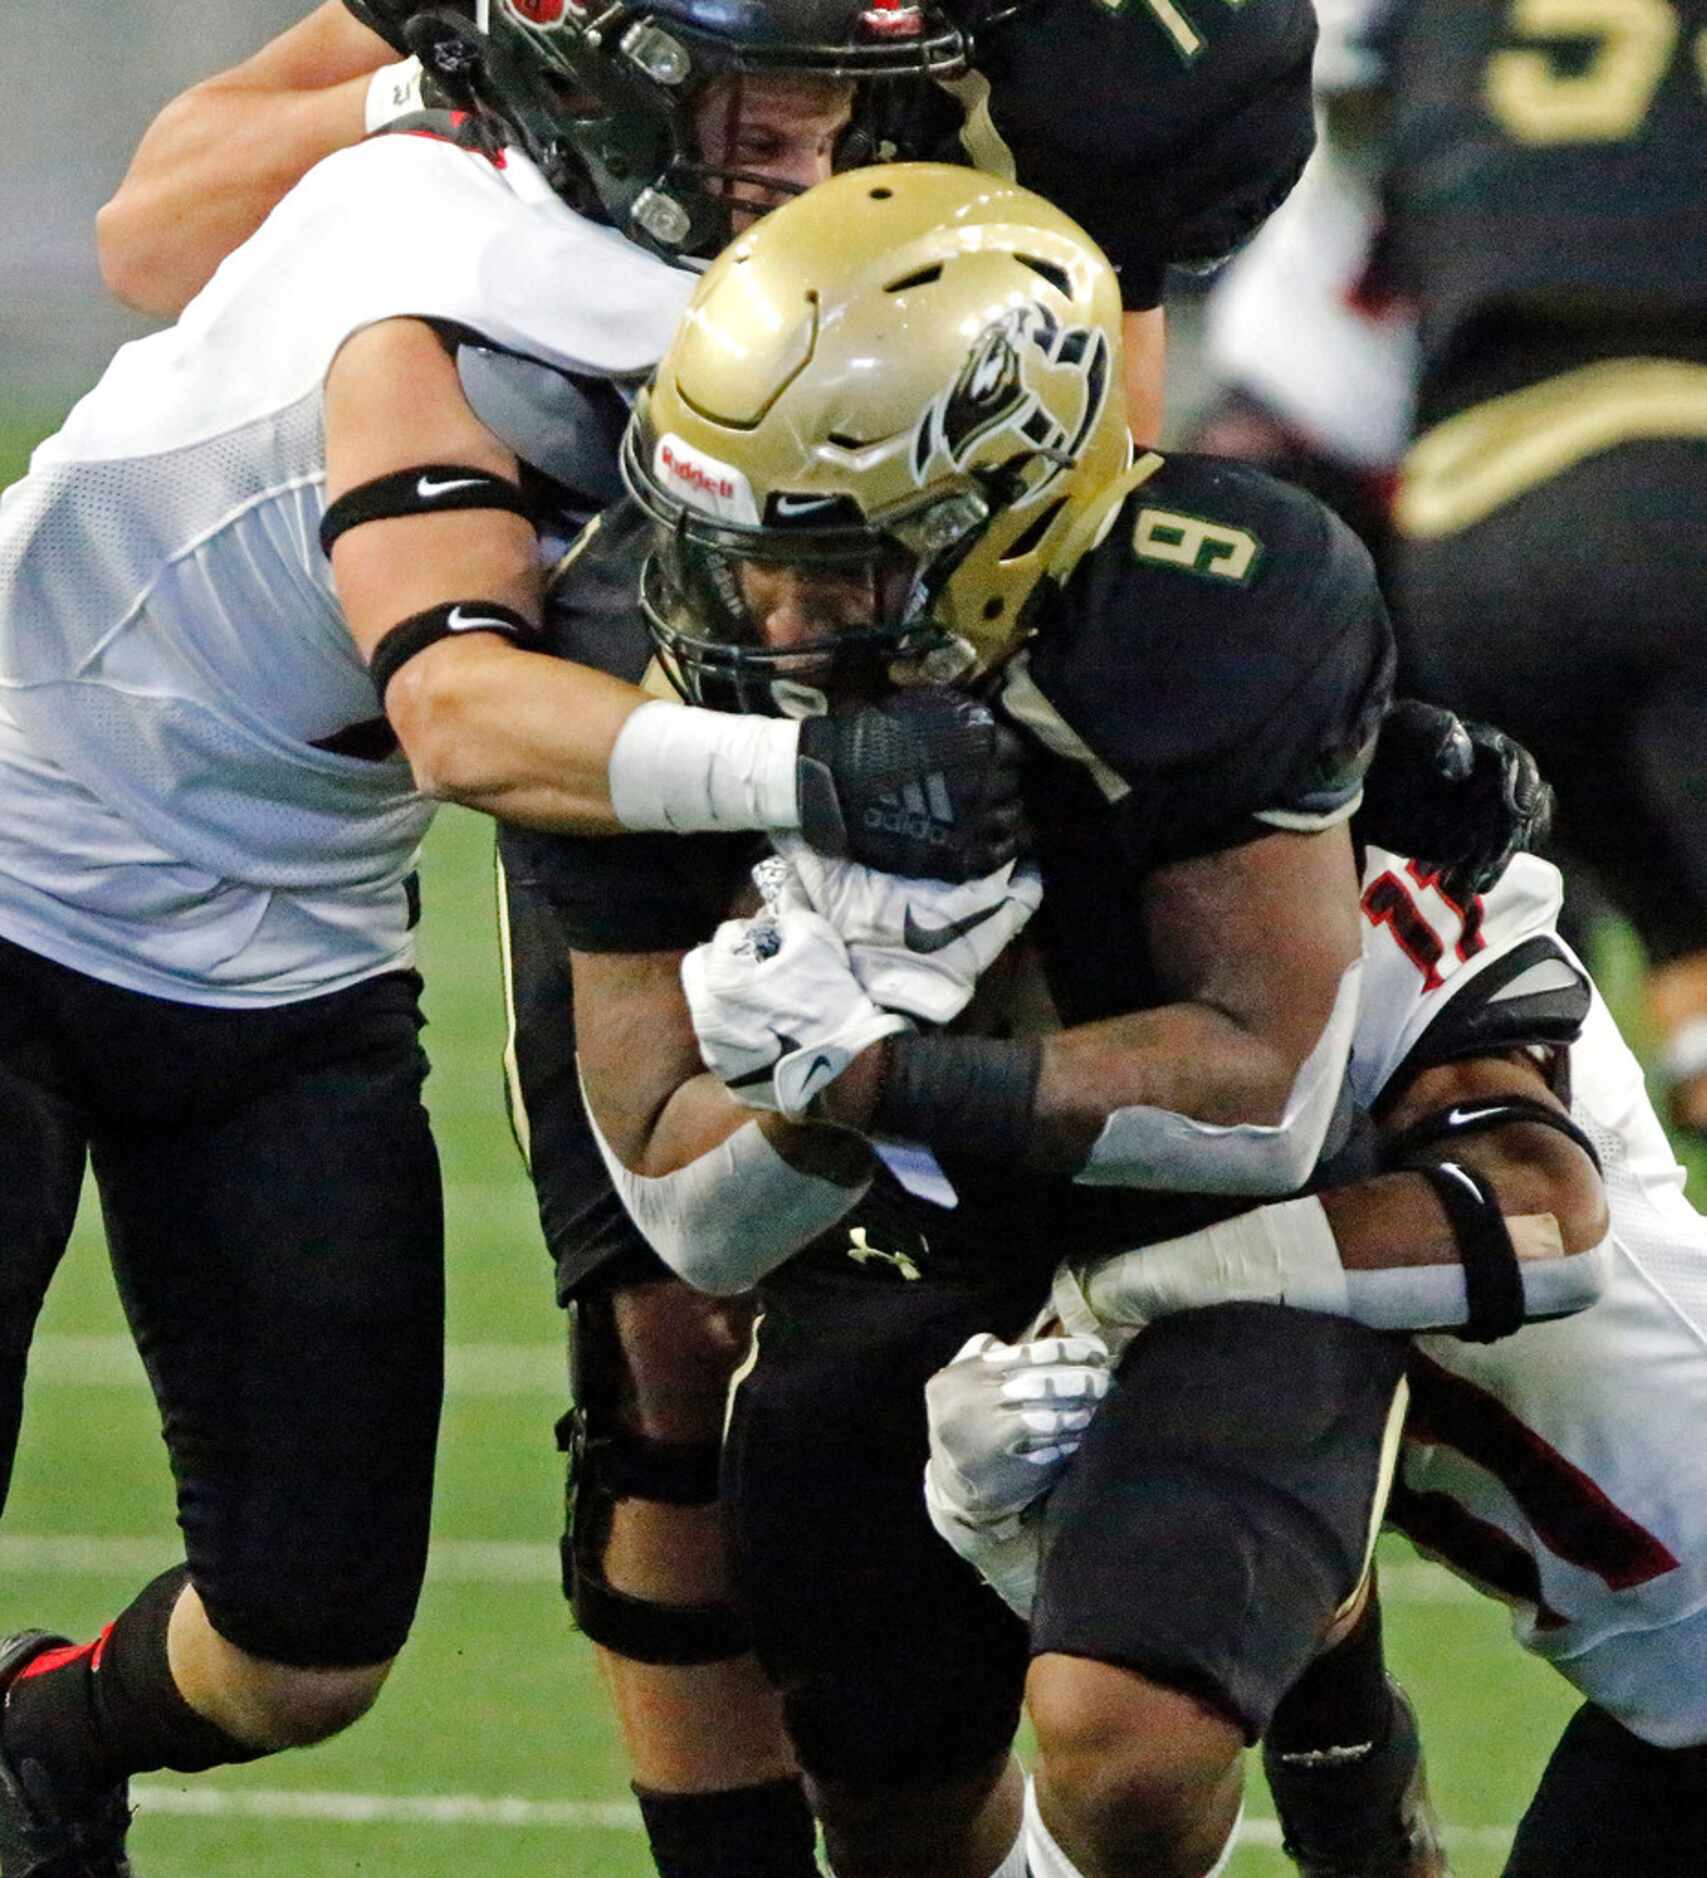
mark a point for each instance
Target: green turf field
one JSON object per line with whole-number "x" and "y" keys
{"x": 490, "y": 1751}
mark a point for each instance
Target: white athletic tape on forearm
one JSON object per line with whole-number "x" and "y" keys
{"x": 1433, "y": 1297}
{"x": 1151, "y": 1147}
{"x": 677, "y": 768}
{"x": 728, "y": 1219}
{"x": 1283, "y": 1254}
{"x": 394, "y": 91}
{"x": 1287, "y": 1254}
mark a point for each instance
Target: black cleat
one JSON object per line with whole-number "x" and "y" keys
{"x": 38, "y": 1838}
{"x": 1357, "y": 1815}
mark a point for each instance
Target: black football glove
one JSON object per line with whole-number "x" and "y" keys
{"x": 388, "y": 18}
{"x": 925, "y": 783}
{"x": 1462, "y": 796}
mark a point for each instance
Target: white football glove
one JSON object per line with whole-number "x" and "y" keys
{"x": 917, "y": 946}
{"x": 777, "y": 1009}
{"x": 1005, "y": 1420}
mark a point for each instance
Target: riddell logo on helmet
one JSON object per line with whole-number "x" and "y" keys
{"x": 702, "y": 482}
{"x": 683, "y": 469}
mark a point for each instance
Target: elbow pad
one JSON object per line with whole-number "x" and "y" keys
{"x": 1150, "y": 1147}
{"x": 732, "y": 1216}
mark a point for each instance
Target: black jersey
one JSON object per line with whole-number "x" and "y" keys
{"x": 1547, "y": 186}
{"x": 1215, "y": 670}
{"x": 1169, "y": 129}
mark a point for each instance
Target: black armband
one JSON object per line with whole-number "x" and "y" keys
{"x": 449, "y": 621}
{"x": 1477, "y": 1118}
{"x": 1493, "y": 1282}
{"x": 963, "y": 1095}
{"x": 423, "y": 489}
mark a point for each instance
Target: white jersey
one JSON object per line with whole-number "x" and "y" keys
{"x": 171, "y": 647}
{"x": 1563, "y": 1468}
{"x": 1286, "y": 322}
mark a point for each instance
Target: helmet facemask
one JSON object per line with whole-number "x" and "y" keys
{"x": 606, "y": 99}
{"x": 792, "y": 619}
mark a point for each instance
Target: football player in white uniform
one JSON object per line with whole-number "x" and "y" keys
{"x": 271, "y": 591}
{"x": 1552, "y": 1467}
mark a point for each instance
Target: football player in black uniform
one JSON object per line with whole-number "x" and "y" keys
{"x": 1197, "y": 657}
{"x": 1547, "y": 211}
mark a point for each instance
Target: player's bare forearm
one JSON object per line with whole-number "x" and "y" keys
{"x": 1187, "y": 1059}
{"x": 1253, "y": 946}
{"x": 518, "y": 735}
{"x": 512, "y": 733}
{"x": 220, "y": 155}
{"x": 1395, "y": 1219}
{"x": 651, "y": 1095}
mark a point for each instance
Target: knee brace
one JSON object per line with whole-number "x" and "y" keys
{"x": 609, "y": 1462}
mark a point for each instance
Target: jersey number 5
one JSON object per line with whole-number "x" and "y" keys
{"x": 1540, "y": 95}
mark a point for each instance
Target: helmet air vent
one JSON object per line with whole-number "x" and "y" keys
{"x": 922, "y": 278}
{"x": 1057, "y": 277}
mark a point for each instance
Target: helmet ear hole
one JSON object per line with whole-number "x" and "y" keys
{"x": 995, "y": 607}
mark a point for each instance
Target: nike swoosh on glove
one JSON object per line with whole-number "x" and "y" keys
{"x": 918, "y": 946}
{"x": 777, "y": 1009}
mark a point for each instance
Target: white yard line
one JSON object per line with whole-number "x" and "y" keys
{"x": 508, "y": 1562}
{"x": 451, "y": 1561}
{"x": 363, "y": 1809}
{"x": 468, "y": 1809}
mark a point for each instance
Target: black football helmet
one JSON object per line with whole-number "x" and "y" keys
{"x": 602, "y": 95}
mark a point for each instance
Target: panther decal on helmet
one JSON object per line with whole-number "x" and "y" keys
{"x": 999, "y": 389}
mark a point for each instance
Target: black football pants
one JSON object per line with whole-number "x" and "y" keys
{"x": 272, "y": 1205}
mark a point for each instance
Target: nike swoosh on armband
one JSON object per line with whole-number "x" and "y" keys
{"x": 427, "y": 489}
{"x": 927, "y": 939}
{"x": 454, "y": 622}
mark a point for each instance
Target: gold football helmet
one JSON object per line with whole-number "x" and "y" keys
{"x": 900, "y": 393}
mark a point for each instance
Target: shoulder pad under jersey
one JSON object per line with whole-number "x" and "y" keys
{"x": 414, "y": 225}
{"x": 1223, "y": 655}
{"x": 1170, "y": 129}
{"x": 1445, "y": 978}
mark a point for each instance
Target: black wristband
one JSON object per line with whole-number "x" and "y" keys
{"x": 423, "y": 489}
{"x": 967, "y": 1096}
{"x": 449, "y": 621}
